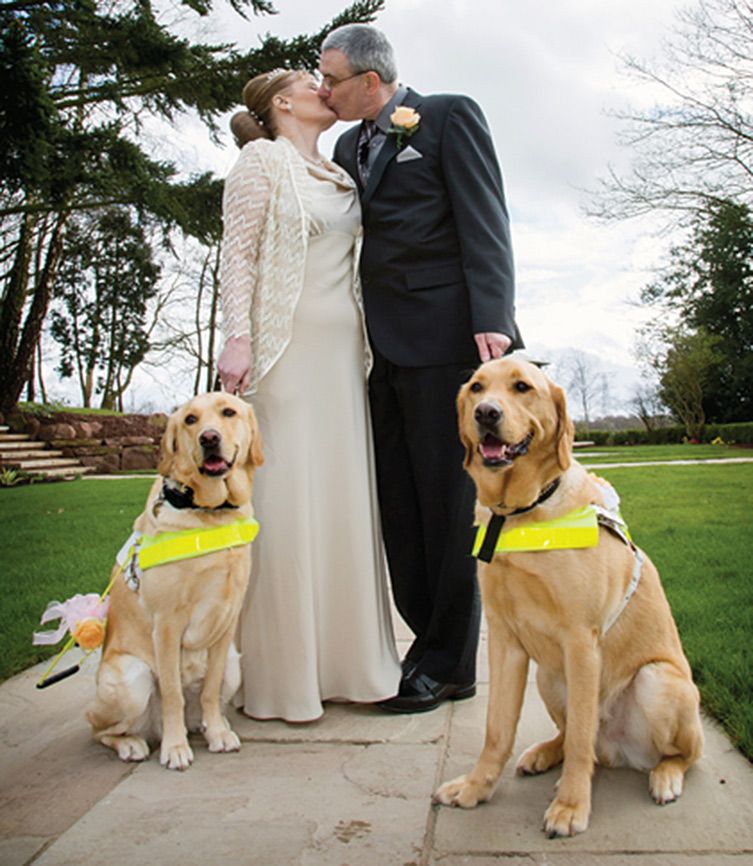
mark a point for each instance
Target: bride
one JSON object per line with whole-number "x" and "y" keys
{"x": 316, "y": 624}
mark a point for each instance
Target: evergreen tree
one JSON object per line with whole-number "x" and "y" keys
{"x": 106, "y": 279}
{"x": 709, "y": 287}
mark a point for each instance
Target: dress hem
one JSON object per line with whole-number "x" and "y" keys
{"x": 308, "y": 720}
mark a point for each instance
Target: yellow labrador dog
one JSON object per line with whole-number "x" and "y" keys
{"x": 168, "y": 650}
{"x": 595, "y": 619}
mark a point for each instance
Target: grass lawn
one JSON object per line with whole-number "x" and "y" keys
{"x": 57, "y": 540}
{"x": 47, "y": 409}
{"x": 638, "y": 453}
{"x": 694, "y": 521}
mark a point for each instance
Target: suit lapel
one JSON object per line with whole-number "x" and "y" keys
{"x": 387, "y": 153}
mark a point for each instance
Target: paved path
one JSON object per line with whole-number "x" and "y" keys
{"x": 352, "y": 789}
{"x": 666, "y": 462}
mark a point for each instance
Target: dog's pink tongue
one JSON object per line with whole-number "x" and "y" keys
{"x": 214, "y": 464}
{"x": 492, "y": 449}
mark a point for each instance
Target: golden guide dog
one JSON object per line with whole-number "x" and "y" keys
{"x": 620, "y": 695}
{"x": 169, "y": 640}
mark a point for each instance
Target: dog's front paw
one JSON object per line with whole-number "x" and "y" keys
{"x": 223, "y": 741}
{"x": 464, "y": 791}
{"x": 129, "y": 748}
{"x": 665, "y": 783}
{"x": 540, "y": 758}
{"x": 565, "y": 819}
{"x": 178, "y": 756}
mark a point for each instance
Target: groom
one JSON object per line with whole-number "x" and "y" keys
{"x": 438, "y": 290}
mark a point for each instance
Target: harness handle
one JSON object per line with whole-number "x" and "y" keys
{"x": 55, "y": 678}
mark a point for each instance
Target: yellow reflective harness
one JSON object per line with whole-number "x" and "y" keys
{"x": 141, "y": 552}
{"x": 577, "y": 529}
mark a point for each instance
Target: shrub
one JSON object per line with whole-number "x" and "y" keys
{"x": 732, "y": 434}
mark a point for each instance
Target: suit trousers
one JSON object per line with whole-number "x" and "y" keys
{"x": 426, "y": 503}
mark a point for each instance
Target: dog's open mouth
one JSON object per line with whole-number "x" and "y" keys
{"x": 215, "y": 466}
{"x": 495, "y": 452}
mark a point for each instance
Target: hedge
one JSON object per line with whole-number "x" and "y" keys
{"x": 731, "y": 434}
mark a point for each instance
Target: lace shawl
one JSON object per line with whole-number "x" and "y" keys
{"x": 264, "y": 245}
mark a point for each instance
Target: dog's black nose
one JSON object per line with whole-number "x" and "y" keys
{"x": 210, "y": 438}
{"x": 487, "y": 413}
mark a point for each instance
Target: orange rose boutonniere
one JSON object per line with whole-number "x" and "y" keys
{"x": 404, "y": 122}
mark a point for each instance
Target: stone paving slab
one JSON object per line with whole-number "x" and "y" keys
{"x": 30, "y": 718}
{"x": 347, "y": 723}
{"x": 714, "y": 814}
{"x": 51, "y": 770}
{"x": 601, "y": 859}
{"x": 270, "y": 804}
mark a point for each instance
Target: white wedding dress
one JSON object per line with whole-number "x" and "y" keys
{"x": 316, "y": 623}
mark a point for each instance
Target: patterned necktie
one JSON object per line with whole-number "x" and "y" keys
{"x": 368, "y": 131}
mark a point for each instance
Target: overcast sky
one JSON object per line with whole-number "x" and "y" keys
{"x": 545, "y": 73}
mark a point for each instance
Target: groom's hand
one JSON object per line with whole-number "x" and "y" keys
{"x": 492, "y": 345}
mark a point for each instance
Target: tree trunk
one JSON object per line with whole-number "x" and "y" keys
{"x": 213, "y": 318}
{"x": 30, "y": 381}
{"x": 123, "y": 384}
{"x": 40, "y": 372}
{"x": 197, "y": 323}
{"x": 110, "y": 346}
{"x": 109, "y": 389}
{"x": 15, "y": 365}
{"x": 11, "y": 312}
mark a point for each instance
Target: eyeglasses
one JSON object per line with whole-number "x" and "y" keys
{"x": 329, "y": 82}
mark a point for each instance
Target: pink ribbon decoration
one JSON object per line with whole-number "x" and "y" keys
{"x": 70, "y": 612}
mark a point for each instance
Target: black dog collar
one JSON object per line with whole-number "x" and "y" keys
{"x": 497, "y": 521}
{"x": 182, "y": 497}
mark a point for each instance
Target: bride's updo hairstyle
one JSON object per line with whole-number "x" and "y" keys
{"x": 257, "y": 121}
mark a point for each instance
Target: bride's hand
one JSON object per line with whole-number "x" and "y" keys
{"x": 234, "y": 365}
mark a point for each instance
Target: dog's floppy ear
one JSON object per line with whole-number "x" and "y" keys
{"x": 565, "y": 435}
{"x": 168, "y": 447}
{"x": 255, "y": 456}
{"x": 466, "y": 442}
{"x": 239, "y": 483}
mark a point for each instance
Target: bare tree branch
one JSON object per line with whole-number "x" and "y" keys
{"x": 695, "y": 146}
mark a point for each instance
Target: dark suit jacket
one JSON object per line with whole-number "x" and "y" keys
{"x": 436, "y": 264}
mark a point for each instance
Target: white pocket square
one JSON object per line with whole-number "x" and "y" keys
{"x": 408, "y": 153}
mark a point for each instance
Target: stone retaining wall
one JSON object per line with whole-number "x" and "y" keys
{"x": 110, "y": 443}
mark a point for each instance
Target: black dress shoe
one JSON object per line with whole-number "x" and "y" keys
{"x": 420, "y": 693}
